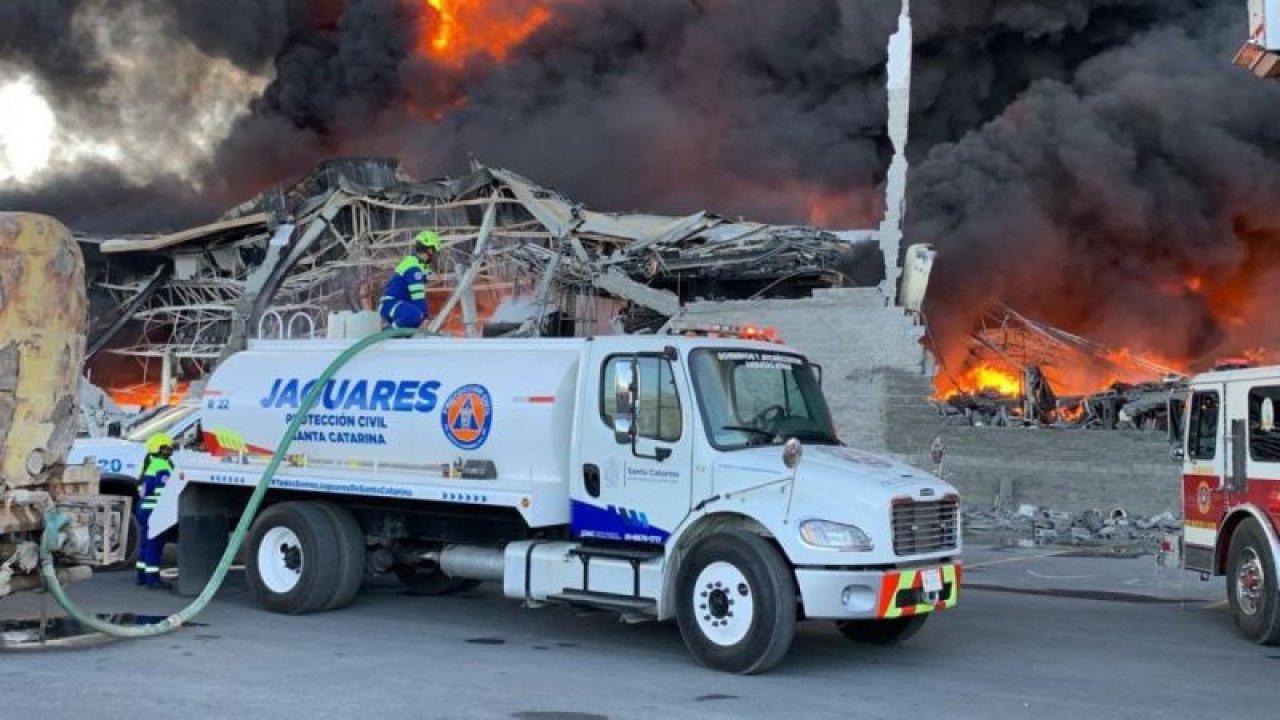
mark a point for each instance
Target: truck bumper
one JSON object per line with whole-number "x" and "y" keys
{"x": 875, "y": 594}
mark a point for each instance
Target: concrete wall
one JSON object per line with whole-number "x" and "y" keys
{"x": 877, "y": 378}
{"x": 1065, "y": 469}
{"x": 852, "y": 334}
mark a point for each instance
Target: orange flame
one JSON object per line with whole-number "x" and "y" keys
{"x": 463, "y": 28}
{"x": 146, "y": 395}
{"x": 985, "y": 377}
{"x": 1067, "y": 376}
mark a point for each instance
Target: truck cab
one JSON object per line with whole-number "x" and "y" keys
{"x": 1229, "y": 449}
{"x": 693, "y": 476}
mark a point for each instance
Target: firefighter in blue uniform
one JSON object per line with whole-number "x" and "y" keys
{"x": 155, "y": 474}
{"x": 404, "y": 301}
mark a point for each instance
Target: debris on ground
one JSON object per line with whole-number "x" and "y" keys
{"x": 1035, "y": 526}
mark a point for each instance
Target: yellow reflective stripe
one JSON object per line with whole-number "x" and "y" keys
{"x": 907, "y": 581}
{"x": 230, "y": 440}
{"x": 157, "y": 466}
{"x": 408, "y": 264}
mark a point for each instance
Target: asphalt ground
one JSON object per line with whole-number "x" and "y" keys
{"x": 1038, "y": 633}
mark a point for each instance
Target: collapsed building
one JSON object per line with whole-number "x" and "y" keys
{"x": 519, "y": 260}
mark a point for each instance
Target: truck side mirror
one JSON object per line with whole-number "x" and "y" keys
{"x": 1175, "y": 415}
{"x": 624, "y": 414}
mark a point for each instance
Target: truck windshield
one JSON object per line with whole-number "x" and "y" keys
{"x": 753, "y": 397}
{"x": 160, "y": 422}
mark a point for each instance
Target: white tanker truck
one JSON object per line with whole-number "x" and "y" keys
{"x": 693, "y": 476}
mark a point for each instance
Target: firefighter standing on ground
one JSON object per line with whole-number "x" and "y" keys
{"x": 155, "y": 475}
{"x": 404, "y": 301}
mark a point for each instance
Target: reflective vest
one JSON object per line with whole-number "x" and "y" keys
{"x": 154, "y": 477}
{"x": 407, "y": 284}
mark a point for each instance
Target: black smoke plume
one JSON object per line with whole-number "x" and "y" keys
{"x": 1127, "y": 195}
{"x": 1095, "y": 163}
{"x": 749, "y": 108}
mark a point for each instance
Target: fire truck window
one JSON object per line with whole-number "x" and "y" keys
{"x": 658, "y": 415}
{"x": 1202, "y": 440}
{"x": 1264, "y": 437}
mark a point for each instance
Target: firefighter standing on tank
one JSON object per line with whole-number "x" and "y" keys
{"x": 404, "y": 301}
{"x": 155, "y": 475}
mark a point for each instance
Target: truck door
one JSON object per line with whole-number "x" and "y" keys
{"x": 637, "y": 488}
{"x": 1204, "y": 474}
{"x": 1258, "y": 403}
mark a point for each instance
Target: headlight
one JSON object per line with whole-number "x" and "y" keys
{"x": 823, "y": 534}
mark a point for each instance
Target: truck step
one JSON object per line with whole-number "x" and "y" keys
{"x": 609, "y": 601}
{"x": 620, "y": 553}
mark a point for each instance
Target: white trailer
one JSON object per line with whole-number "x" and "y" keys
{"x": 694, "y": 477}
{"x": 119, "y": 458}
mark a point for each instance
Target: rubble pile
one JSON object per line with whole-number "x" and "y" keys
{"x": 1034, "y": 526}
{"x": 1018, "y": 372}
{"x": 1140, "y": 407}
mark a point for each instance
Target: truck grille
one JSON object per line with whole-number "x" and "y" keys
{"x": 924, "y": 527}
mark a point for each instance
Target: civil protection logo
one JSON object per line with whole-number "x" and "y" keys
{"x": 1204, "y": 498}
{"x": 467, "y": 416}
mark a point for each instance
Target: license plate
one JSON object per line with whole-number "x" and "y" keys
{"x": 932, "y": 580}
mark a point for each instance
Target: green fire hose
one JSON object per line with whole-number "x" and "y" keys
{"x": 54, "y": 520}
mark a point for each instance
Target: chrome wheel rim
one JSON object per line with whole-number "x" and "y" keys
{"x": 1251, "y": 581}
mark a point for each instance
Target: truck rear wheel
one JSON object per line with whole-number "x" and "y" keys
{"x": 736, "y": 603}
{"x": 292, "y": 564}
{"x": 1252, "y": 589}
{"x": 350, "y": 559}
{"x": 882, "y": 632}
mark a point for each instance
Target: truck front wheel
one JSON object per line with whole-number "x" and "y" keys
{"x": 1252, "y": 588}
{"x": 736, "y": 603}
{"x": 882, "y": 632}
{"x": 293, "y": 564}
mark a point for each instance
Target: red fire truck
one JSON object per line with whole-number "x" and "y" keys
{"x": 1229, "y": 446}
